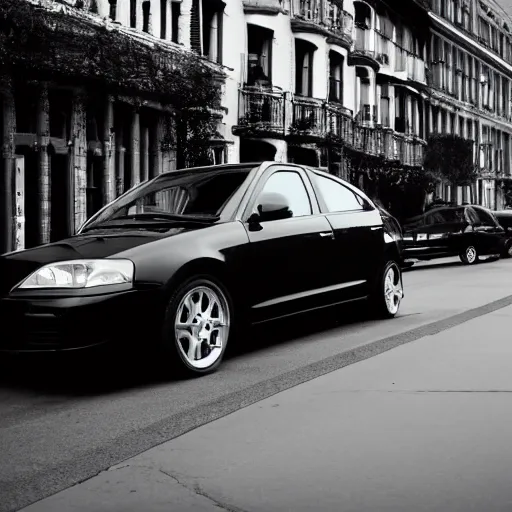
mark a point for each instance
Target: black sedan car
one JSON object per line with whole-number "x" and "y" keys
{"x": 180, "y": 262}
{"x": 465, "y": 231}
{"x": 504, "y": 217}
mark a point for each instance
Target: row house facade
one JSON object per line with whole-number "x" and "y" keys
{"x": 318, "y": 82}
{"x": 69, "y": 149}
{"x": 324, "y": 80}
{"x": 470, "y": 63}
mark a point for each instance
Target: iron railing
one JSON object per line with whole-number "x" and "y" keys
{"x": 271, "y": 112}
{"x": 308, "y": 116}
{"x": 262, "y": 110}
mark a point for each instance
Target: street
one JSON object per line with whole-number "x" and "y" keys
{"x": 62, "y": 425}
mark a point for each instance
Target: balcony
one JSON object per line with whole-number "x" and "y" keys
{"x": 308, "y": 118}
{"x": 323, "y": 17}
{"x": 339, "y": 23}
{"x": 261, "y": 112}
{"x": 365, "y": 139}
{"x": 408, "y": 149}
{"x": 363, "y": 52}
{"x": 339, "y": 122}
{"x": 263, "y": 7}
{"x": 275, "y": 114}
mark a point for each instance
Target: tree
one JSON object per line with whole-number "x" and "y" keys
{"x": 450, "y": 157}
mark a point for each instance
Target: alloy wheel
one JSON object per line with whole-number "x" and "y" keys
{"x": 393, "y": 290}
{"x": 202, "y": 325}
{"x": 470, "y": 254}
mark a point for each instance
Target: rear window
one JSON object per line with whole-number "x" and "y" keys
{"x": 447, "y": 216}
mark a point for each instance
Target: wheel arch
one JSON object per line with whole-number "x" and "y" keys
{"x": 213, "y": 267}
{"x": 392, "y": 252}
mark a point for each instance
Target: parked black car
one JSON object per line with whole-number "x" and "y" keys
{"x": 504, "y": 217}
{"x": 178, "y": 262}
{"x": 465, "y": 231}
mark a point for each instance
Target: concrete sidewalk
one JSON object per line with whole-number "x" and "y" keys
{"x": 425, "y": 426}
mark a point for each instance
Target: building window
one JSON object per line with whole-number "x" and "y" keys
{"x": 113, "y": 9}
{"x": 400, "y": 121}
{"x": 384, "y": 106}
{"x": 335, "y": 77}
{"x": 365, "y": 108}
{"x": 163, "y": 19}
{"x": 206, "y": 28}
{"x": 259, "y": 60}
{"x": 212, "y": 21}
{"x": 146, "y": 15}
{"x": 175, "y": 16}
{"x": 304, "y": 53}
{"x": 133, "y": 13}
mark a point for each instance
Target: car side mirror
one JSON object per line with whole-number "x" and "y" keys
{"x": 272, "y": 206}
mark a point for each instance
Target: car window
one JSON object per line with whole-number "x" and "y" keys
{"x": 485, "y": 217}
{"x": 472, "y": 216}
{"x": 337, "y": 197}
{"x": 290, "y": 185}
{"x": 447, "y": 216}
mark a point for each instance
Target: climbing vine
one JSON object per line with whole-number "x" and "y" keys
{"x": 41, "y": 44}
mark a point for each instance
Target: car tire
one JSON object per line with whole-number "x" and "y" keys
{"x": 198, "y": 326}
{"x": 469, "y": 256}
{"x": 388, "y": 293}
{"x": 507, "y": 251}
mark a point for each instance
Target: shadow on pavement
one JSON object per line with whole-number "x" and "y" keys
{"x": 89, "y": 374}
{"x": 429, "y": 265}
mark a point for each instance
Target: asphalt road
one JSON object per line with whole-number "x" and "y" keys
{"x": 61, "y": 424}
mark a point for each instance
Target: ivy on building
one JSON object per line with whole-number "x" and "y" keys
{"x": 41, "y": 44}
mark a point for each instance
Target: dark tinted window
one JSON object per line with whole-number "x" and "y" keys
{"x": 290, "y": 185}
{"x": 337, "y": 198}
{"x": 485, "y": 217}
{"x": 446, "y": 216}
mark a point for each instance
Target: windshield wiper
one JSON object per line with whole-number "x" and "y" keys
{"x": 169, "y": 216}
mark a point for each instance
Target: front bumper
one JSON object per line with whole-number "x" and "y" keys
{"x": 42, "y": 324}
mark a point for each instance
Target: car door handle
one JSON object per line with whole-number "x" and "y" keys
{"x": 329, "y": 234}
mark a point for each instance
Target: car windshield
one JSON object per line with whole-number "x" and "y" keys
{"x": 183, "y": 195}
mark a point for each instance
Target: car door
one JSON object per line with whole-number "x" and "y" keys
{"x": 489, "y": 234}
{"x": 445, "y": 230}
{"x": 290, "y": 259}
{"x": 359, "y": 235}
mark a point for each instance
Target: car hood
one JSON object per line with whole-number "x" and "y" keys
{"x": 16, "y": 266}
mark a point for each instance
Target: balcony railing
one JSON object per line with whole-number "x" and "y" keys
{"x": 339, "y": 122}
{"x": 326, "y": 15}
{"x": 308, "y": 10}
{"x": 273, "y": 113}
{"x": 308, "y": 117}
{"x": 261, "y": 111}
{"x": 338, "y": 21}
{"x": 362, "y": 45}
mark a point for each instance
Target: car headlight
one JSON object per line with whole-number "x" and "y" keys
{"x": 76, "y": 274}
